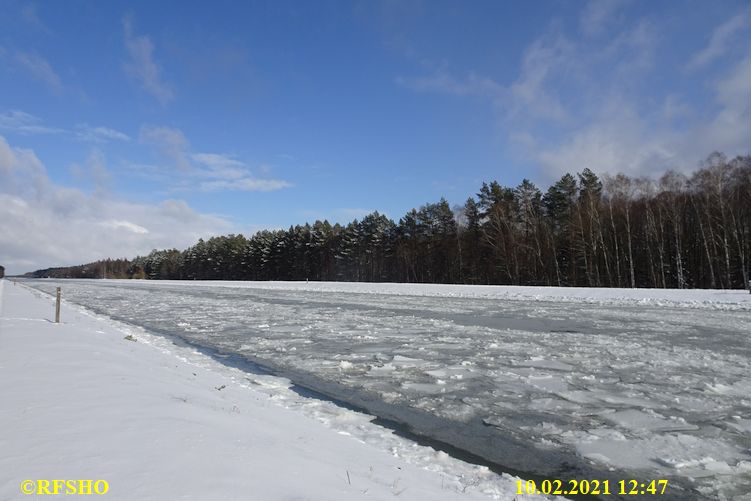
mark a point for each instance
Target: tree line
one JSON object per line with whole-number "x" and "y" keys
{"x": 677, "y": 231}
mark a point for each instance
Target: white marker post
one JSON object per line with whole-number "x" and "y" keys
{"x": 57, "y": 307}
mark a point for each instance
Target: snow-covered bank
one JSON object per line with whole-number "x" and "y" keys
{"x": 156, "y": 421}
{"x": 680, "y": 298}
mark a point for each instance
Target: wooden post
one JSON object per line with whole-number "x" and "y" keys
{"x": 57, "y": 307}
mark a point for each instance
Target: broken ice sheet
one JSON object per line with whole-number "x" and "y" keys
{"x": 628, "y": 378}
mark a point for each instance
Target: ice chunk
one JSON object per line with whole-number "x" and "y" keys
{"x": 743, "y": 425}
{"x": 549, "y": 383}
{"x": 402, "y": 361}
{"x": 579, "y": 396}
{"x": 541, "y": 363}
{"x": 637, "y": 420}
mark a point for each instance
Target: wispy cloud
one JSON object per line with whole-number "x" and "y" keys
{"x": 99, "y": 134}
{"x": 94, "y": 170}
{"x": 597, "y": 15}
{"x": 31, "y": 17}
{"x": 25, "y": 123}
{"x": 142, "y": 66}
{"x": 530, "y": 92}
{"x": 673, "y": 108}
{"x": 226, "y": 173}
{"x": 730, "y": 128}
{"x": 40, "y": 69}
{"x": 618, "y": 139}
{"x": 720, "y": 40}
{"x": 574, "y": 104}
{"x": 205, "y": 171}
{"x": 245, "y": 184}
{"x": 624, "y": 136}
{"x": 443, "y": 81}
{"x": 20, "y": 122}
{"x": 221, "y": 166}
{"x": 170, "y": 142}
{"x": 117, "y": 224}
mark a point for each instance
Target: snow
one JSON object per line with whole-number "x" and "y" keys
{"x": 640, "y": 383}
{"x": 160, "y": 421}
{"x": 692, "y": 298}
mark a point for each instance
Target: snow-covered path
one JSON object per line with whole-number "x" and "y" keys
{"x": 158, "y": 421}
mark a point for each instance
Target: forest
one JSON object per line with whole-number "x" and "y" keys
{"x": 676, "y": 231}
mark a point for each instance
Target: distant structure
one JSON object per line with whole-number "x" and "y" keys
{"x": 2, "y": 272}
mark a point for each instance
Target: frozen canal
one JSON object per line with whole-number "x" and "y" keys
{"x": 566, "y": 386}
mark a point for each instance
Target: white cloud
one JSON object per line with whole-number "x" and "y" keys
{"x": 99, "y": 134}
{"x": 20, "y": 170}
{"x": 39, "y": 68}
{"x": 125, "y": 225}
{"x": 43, "y": 224}
{"x": 226, "y": 173}
{"x": 442, "y": 81}
{"x": 221, "y": 166}
{"x": 142, "y": 66}
{"x": 179, "y": 210}
{"x": 574, "y": 103}
{"x": 674, "y": 108}
{"x": 730, "y": 129}
{"x": 24, "y": 123}
{"x": 95, "y": 170}
{"x": 622, "y": 139}
{"x": 205, "y": 171}
{"x": 597, "y": 15}
{"x": 633, "y": 52}
{"x": 30, "y": 15}
{"x": 245, "y": 184}
{"x": 530, "y": 94}
{"x": 527, "y": 96}
{"x": 619, "y": 140}
{"x": 171, "y": 142}
{"x": 734, "y": 91}
{"x": 719, "y": 41}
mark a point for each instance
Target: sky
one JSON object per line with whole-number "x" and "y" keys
{"x": 129, "y": 126}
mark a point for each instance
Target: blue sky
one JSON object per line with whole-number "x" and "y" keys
{"x": 126, "y": 126}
